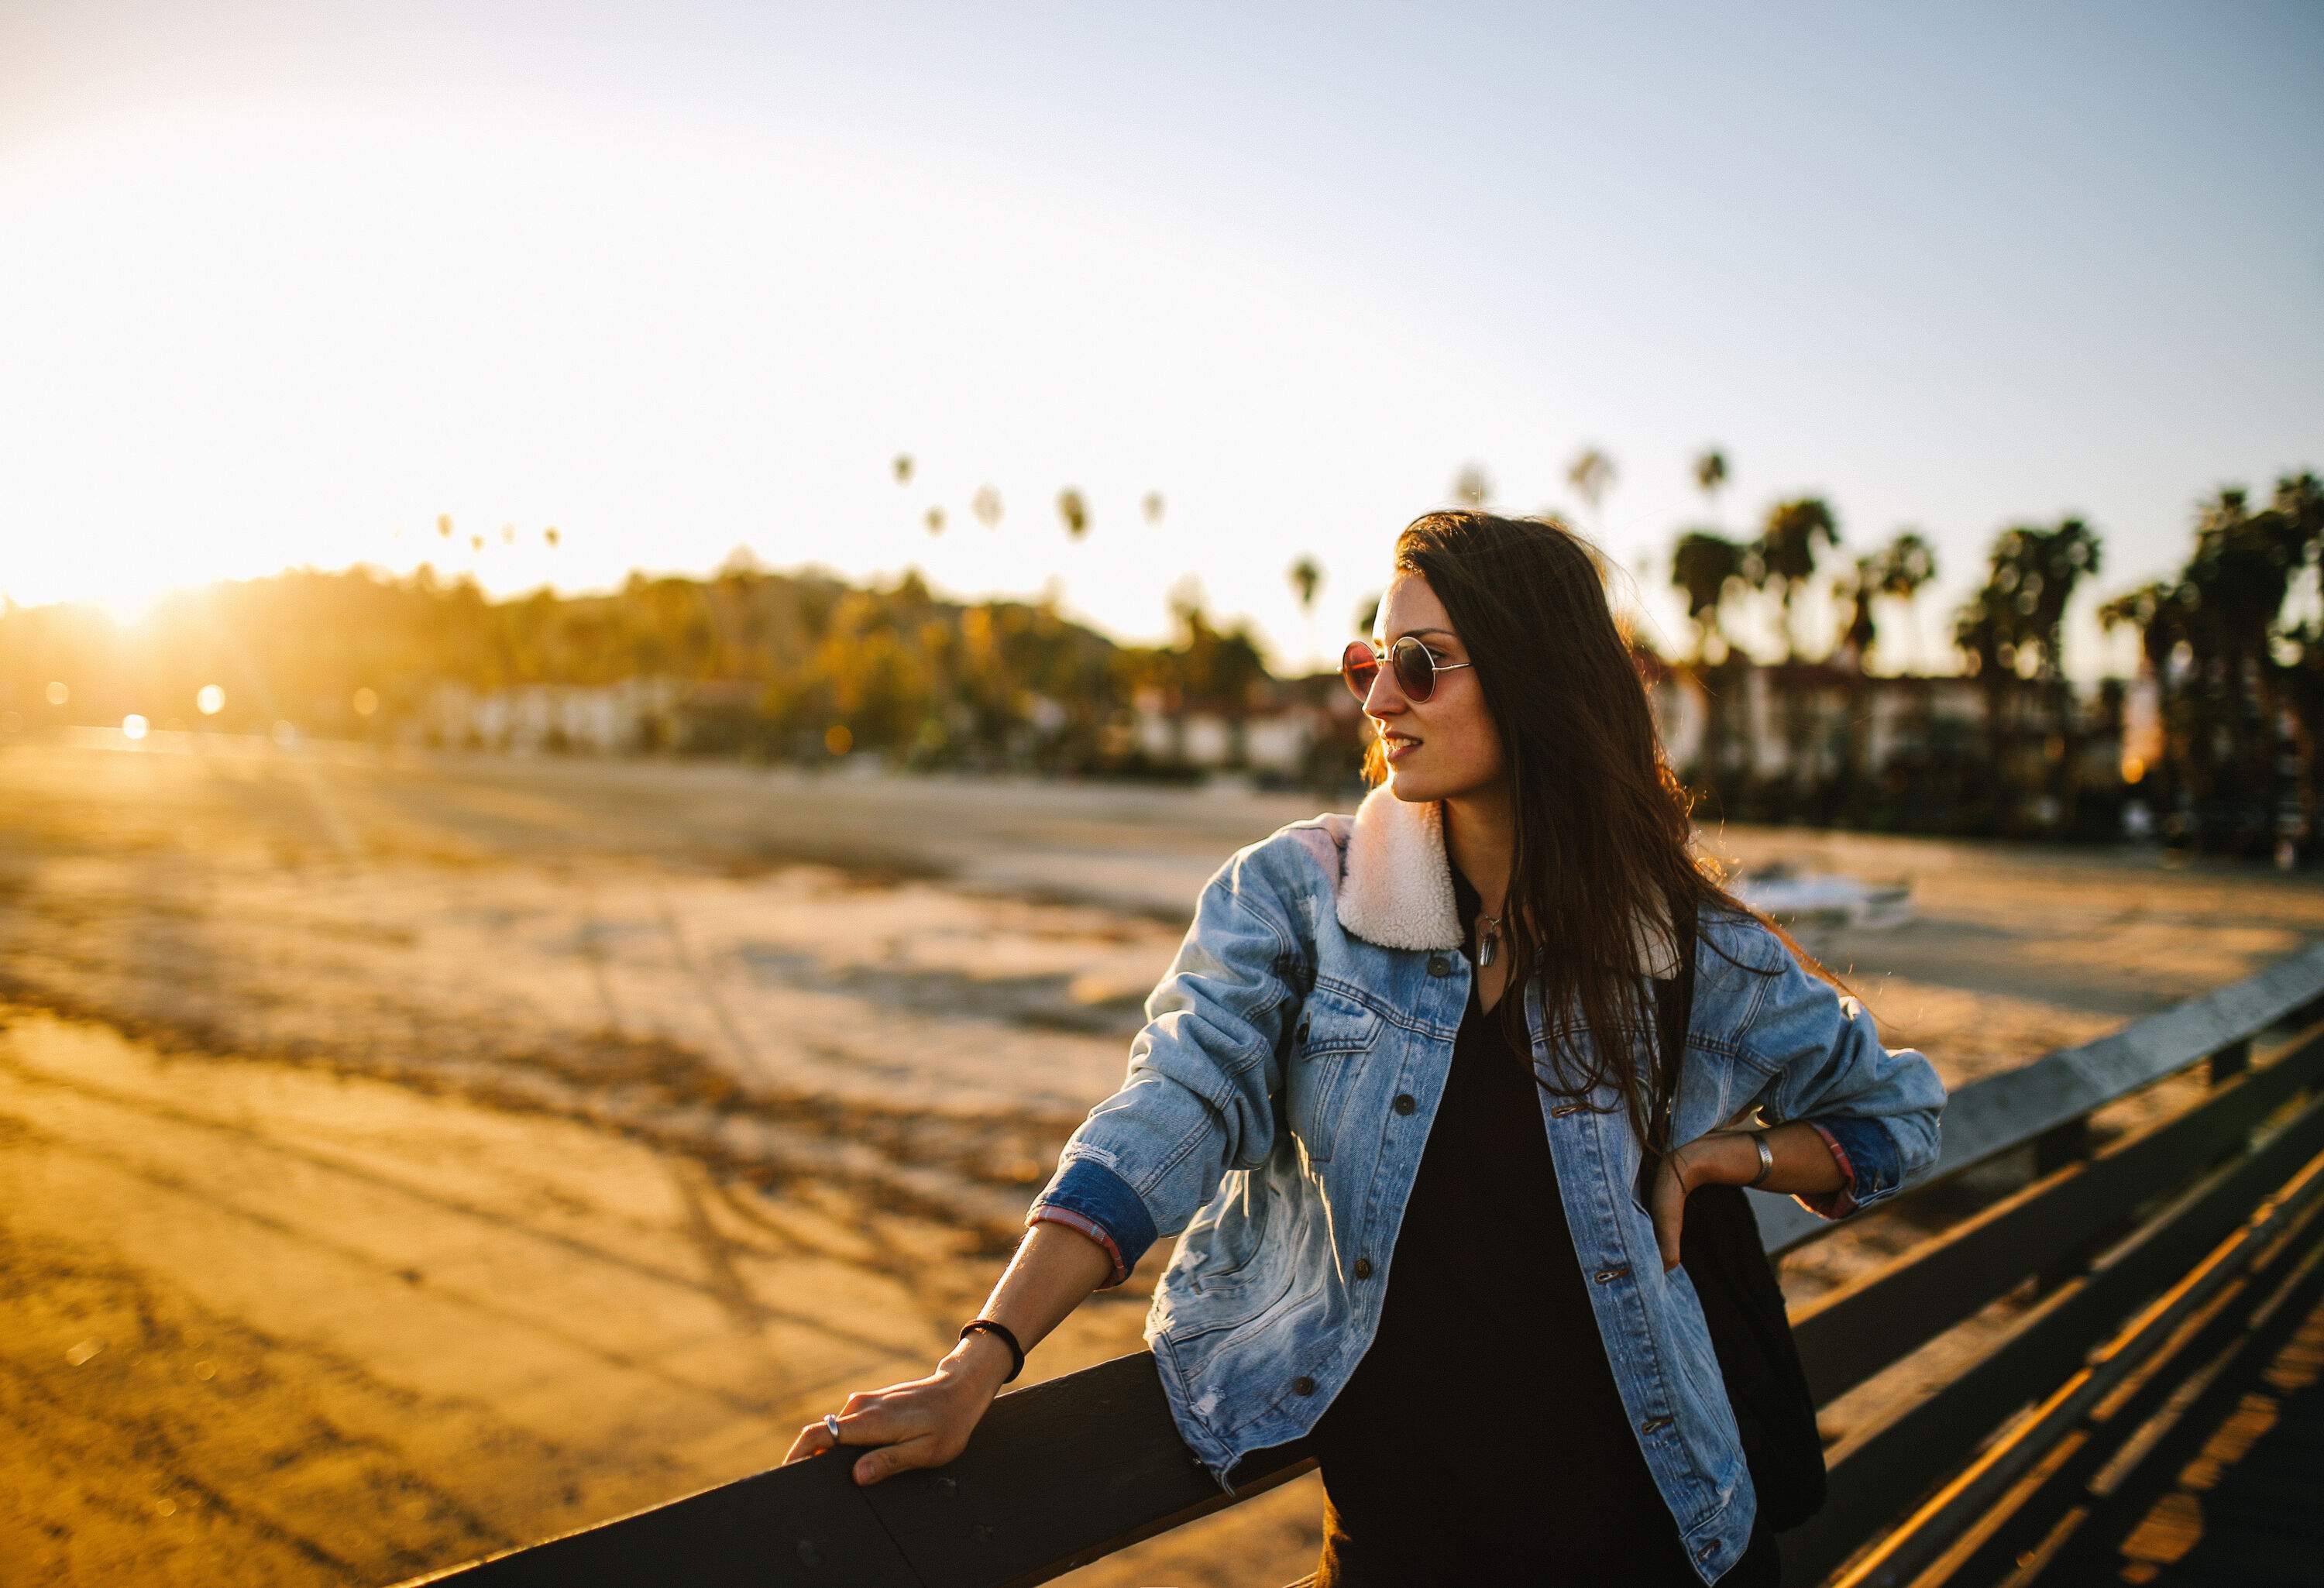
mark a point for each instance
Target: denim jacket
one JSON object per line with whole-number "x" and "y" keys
{"x": 1279, "y": 1099}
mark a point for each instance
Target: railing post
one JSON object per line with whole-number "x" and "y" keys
{"x": 2055, "y": 1149}
{"x": 2061, "y": 1145}
{"x": 2230, "y": 1061}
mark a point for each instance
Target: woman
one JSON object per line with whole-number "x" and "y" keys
{"x": 1452, "y": 1267}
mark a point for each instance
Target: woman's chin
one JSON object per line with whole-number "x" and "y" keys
{"x": 1414, "y": 788}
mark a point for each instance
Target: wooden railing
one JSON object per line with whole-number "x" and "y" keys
{"x": 2132, "y": 1259}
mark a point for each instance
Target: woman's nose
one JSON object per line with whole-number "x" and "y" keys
{"x": 1384, "y": 698}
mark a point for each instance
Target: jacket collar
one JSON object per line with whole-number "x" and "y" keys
{"x": 1395, "y": 884}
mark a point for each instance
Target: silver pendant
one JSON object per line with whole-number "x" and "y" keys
{"x": 1489, "y": 946}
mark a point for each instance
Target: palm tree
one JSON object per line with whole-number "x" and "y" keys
{"x": 1707, "y": 567}
{"x": 1152, "y": 507}
{"x": 1906, "y": 565}
{"x": 1075, "y": 510}
{"x": 902, "y": 469}
{"x": 2038, "y": 569}
{"x": 1591, "y": 476}
{"x": 1785, "y": 558}
{"x": 1983, "y": 631}
{"x": 2242, "y": 570}
{"x": 1306, "y": 577}
{"x": 2160, "y": 613}
{"x": 1472, "y": 487}
{"x": 2299, "y": 502}
{"x": 1709, "y": 474}
{"x": 1854, "y": 589}
{"x": 2019, "y": 617}
{"x": 986, "y": 506}
{"x": 1787, "y": 553}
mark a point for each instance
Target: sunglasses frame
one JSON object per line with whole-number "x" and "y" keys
{"x": 1388, "y": 660}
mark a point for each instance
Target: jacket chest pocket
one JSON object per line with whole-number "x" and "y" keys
{"x": 1333, "y": 1034}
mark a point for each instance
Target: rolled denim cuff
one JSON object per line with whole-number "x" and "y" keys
{"x": 1865, "y": 1157}
{"x": 1091, "y": 1198}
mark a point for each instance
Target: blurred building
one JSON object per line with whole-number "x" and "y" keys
{"x": 606, "y": 719}
{"x": 1914, "y": 749}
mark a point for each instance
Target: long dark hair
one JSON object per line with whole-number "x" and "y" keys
{"x": 1604, "y": 831}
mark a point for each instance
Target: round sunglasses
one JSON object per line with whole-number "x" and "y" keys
{"x": 1416, "y": 668}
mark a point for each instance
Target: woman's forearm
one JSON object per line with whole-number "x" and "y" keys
{"x": 1055, "y": 1269}
{"x": 1803, "y": 1164}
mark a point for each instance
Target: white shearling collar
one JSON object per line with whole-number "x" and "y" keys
{"x": 1395, "y": 884}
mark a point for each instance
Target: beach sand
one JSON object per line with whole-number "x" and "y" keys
{"x": 403, "y": 1157}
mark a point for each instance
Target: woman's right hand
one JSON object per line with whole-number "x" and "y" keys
{"x": 919, "y": 1423}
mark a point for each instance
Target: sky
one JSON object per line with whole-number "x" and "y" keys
{"x": 280, "y": 283}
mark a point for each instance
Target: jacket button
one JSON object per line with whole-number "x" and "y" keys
{"x": 1363, "y": 1268}
{"x": 1438, "y": 965}
{"x": 1404, "y": 1103}
{"x": 1302, "y": 1033}
{"x": 1602, "y": 1275}
{"x": 1303, "y": 1385}
{"x": 1710, "y": 1547}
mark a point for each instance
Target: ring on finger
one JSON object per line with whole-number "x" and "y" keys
{"x": 830, "y": 1426}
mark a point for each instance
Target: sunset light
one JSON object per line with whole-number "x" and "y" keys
{"x": 1227, "y": 796}
{"x": 696, "y": 285}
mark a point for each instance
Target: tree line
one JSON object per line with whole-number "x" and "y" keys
{"x": 765, "y": 663}
{"x": 801, "y": 665}
{"x": 2232, "y": 651}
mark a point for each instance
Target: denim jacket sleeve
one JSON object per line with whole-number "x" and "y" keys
{"x": 1197, "y": 1100}
{"x": 1875, "y": 1107}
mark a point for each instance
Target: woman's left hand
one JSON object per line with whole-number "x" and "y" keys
{"x": 1667, "y": 1202}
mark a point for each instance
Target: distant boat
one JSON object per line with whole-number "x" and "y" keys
{"x": 1822, "y": 899}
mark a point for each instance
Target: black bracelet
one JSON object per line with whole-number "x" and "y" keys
{"x": 991, "y": 1326}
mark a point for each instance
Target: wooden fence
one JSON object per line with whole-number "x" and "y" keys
{"x": 2134, "y": 1258}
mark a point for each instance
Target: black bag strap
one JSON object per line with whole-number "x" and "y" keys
{"x": 1742, "y": 1302}
{"x": 1674, "y": 1008}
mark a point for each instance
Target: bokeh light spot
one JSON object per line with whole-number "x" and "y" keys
{"x": 134, "y": 728}
{"x": 367, "y": 701}
{"x": 59, "y": 694}
{"x": 211, "y": 699}
{"x": 837, "y": 739}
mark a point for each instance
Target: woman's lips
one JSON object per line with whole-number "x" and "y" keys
{"x": 1395, "y": 747}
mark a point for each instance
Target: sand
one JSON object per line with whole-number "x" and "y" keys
{"x": 402, "y": 1156}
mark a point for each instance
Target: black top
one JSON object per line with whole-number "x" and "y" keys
{"x": 1481, "y": 1438}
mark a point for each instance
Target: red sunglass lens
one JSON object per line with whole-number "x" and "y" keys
{"x": 1358, "y": 667}
{"x": 1415, "y": 669}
